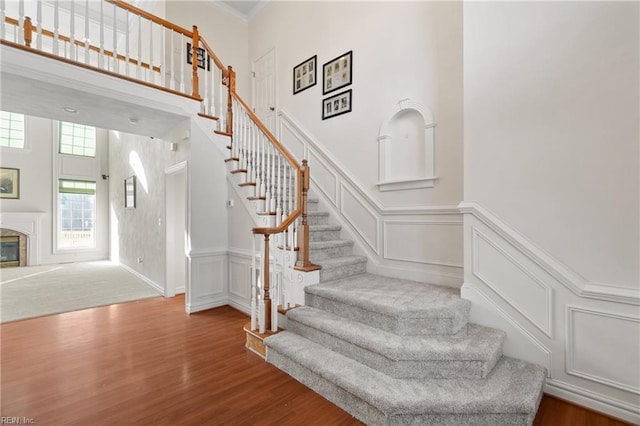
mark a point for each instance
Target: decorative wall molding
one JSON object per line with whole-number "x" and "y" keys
{"x": 517, "y": 299}
{"x": 626, "y": 361}
{"x": 207, "y": 284}
{"x": 563, "y": 274}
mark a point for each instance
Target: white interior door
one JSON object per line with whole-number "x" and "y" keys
{"x": 264, "y": 89}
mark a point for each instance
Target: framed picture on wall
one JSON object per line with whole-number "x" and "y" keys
{"x": 9, "y": 183}
{"x": 130, "y": 193}
{"x": 337, "y": 73}
{"x": 304, "y": 75}
{"x": 201, "y": 55}
{"x": 336, "y": 105}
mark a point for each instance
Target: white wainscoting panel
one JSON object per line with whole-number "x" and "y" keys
{"x": 324, "y": 179}
{"x": 207, "y": 281}
{"x": 604, "y": 347}
{"x": 365, "y": 221}
{"x": 291, "y": 139}
{"x": 433, "y": 243}
{"x": 510, "y": 279}
{"x": 77, "y": 166}
{"x": 240, "y": 280}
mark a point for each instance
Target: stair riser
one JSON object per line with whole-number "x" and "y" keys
{"x": 400, "y": 369}
{"x": 327, "y": 274}
{"x": 370, "y": 415}
{"x": 324, "y": 235}
{"x": 313, "y": 219}
{"x": 330, "y": 252}
{"x": 399, "y": 326}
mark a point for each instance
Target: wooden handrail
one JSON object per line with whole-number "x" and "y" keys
{"x": 79, "y": 43}
{"x": 126, "y": 6}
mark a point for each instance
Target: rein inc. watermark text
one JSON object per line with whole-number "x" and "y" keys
{"x": 7, "y": 420}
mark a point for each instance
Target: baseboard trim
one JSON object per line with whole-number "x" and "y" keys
{"x": 150, "y": 282}
{"x": 204, "y": 305}
{"x": 593, "y": 401}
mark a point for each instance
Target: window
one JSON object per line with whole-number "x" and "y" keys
{"x": 11, "y": 129}
{"x": 77, "y": 139}
{"x": 76, "y": 214}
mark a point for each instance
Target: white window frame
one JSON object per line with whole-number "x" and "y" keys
{"x": 58, "y": 226}
{"x": 27, "y": 145}
{"x": 76, "y": 126}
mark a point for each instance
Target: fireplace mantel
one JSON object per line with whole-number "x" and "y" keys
{"x": 28, "y": 223}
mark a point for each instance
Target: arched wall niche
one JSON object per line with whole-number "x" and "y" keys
{"x": 406, "y": 148}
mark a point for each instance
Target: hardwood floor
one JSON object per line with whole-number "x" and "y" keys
{"x": 148, "y": 362}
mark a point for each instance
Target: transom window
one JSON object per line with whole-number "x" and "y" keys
{"x": 77, "y": 139}
{"x": 11, "y": 129}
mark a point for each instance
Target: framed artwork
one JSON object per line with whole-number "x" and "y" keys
{"x": 202, "y": 57}
{"x": 304, "y": 75}
{"x": 336, "y": 105}
{"x": 130, "y": 193}
{"x": 337, "y": 73}
{"x": 9, "y": 183}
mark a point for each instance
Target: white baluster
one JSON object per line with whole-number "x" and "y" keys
{"x": 56, "y": 33}
{"x": 261, "y": 320}
{"x": 3, "y": 28}
{"x": 114, "y": 68}
{"x": 101, "y": 54}
{"x": 267, "y": 180}
{"x": 254, "y": 283}
{"x": 163, "y": 57}
{"x": 38, "y": 26}
{"x": 72, "y": 37}
{"x": 87, "y": 38}
{"x": 171, "y": 60}
{"x": 272, "y": 204}
{"x": 274, "y": 305}
{"x": 182, "y": 62}
{"x": 127, "y": 46}
{"x": 152, "y": 76}
{"x": 139, "y": 59}
{"x": 20, "y": 22}
{"x": 279, "y": 192}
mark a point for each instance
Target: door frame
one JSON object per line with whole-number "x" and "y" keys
{"x": 275, "y": 83}
{"x": 170, "y": 173}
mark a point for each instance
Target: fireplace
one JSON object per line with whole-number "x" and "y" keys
{"x": 13, "y": 248}
{"x": 9, "y": 251}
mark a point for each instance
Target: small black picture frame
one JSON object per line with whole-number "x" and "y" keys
{"x": 130, "y": 192}
{"x": 305, "y": 74}
{"x": 201, "y": 55}
{"x": 337, "y": 73}
{"x": 336, "y": 105}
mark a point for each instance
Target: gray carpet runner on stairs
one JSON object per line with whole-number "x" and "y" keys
{"x": 398, "y": 352}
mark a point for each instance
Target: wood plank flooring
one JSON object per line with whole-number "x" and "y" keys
{"x": 148, "y": 362}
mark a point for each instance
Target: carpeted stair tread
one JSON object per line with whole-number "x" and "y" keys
{"x": 342, "y": 261}
{"x": 400, "y": 306}
{"x": 318, "y": 245}
{"x": 513, "y": 386}
{"x": 334, "y": 268}
{"x": 472, "y": 353}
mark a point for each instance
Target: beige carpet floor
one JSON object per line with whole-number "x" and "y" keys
{"x": 35, "y": 291}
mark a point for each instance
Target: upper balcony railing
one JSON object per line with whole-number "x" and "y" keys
{"x": 116, "y": 38}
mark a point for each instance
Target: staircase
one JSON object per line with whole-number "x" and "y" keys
{"x": 398, "y": 352}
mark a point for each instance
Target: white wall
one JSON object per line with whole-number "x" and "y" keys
{"x": 551, "y": 188}
{"x": 225, "y": 33}
{"x": 400, "y": 50}
{"x": 39, "y": 173}
{"x": 551, "y": 129}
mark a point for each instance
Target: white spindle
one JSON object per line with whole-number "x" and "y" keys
{"x": 163, "y": 57}
{"x": 279, "y": 191}
{"x": 20, "y": 22}
{"x": 261, "y": 319}
{"x": 152, "y": 76}
{"x": 87, "y": 38}
{"x": 72, "y": 30}
{"x": 115, "y": 39}
{"x": 127, "y": 50}
{"x": 56, "y": 24}
{"x": 139, "y": 61}
{"x": 254, "y": 283}
{"x": 38, "y": 26}
{"x": 101, "y": 54}
{"x": 182, "y": 62}
{"x": 275, "y": 280}
{"x": 3, "y": 29}
{"x": 272, "y": 205}
{"x": 171, "y": 60}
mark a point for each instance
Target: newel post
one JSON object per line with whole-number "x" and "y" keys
{"x": 194, "y": 63}
{"x": 303, "y": 263}
{"x": 265, "y": 282}
{"x": 231, "y": 86}
{"x": 28, "y": 31}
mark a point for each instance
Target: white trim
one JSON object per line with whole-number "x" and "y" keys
{"x": 27, "y": 223}
{"x": 545, "y": 328}
{"x": 427, "y": 182}
{"x": 208, "y": 252}
{"x": 563, "y": 274}
{"x": 569, "y": 347}
{"x": 587, "y": 398}
{"x": 150, "y": 282}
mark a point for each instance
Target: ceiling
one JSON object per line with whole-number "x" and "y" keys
{"x": 244, "y": 8}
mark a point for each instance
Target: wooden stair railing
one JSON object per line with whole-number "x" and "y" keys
{"x": 280, "y": 183}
